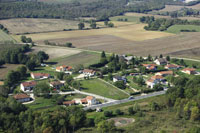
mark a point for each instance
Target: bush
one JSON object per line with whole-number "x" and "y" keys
{"x": 118, "y": 112}
{"x": 108, "y": 113}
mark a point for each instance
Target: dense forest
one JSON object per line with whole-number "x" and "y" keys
{"x": 101, "y": 9}
{"x": 162, "y": 24}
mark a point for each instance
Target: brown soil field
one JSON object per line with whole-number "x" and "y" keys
{"x": 6, "y": 68}
{"x": 56, "y": 51}
{"x": 31, "y": 25}
{"x": 134, "y": 32}
{"x": 142, "y": 14}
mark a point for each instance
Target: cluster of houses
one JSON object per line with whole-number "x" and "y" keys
{"x": 88, "y": 101}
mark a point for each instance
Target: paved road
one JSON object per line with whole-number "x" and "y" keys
{"x": 125, "y": 100}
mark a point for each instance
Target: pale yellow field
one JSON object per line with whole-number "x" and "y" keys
{"x": 134, "y": 32}
{"x": 142, "y": 14}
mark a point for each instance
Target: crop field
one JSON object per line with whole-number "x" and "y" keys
{"x": 176, "y": 28}
{"x": 142, "y": 14}
{"x": 32, "y": 25}
{"x": 56, "y": 51}
{"x": 85, "y": 58}
{"x": 5, "y": 37}
{"x": 134, "y": 32}
{"x": 98, "y": 87}
{"x": 64, "y": 1}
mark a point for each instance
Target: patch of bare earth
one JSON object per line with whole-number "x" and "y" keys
{"x": 56, "y": 51}
{"x": 121, "y": 121}
{"x": 6, "y": 68}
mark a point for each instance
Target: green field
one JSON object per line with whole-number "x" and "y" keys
{"x": 5, "y": 37}
{"x": 176, "y": 28}
{"x": 135, "y": 19}
{"x": 85, "y": 58}
{"x": 98, "y": 87}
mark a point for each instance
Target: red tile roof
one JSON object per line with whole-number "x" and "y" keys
{"x": 189, "y": 69}
{"x": 88, "y": 71}
{"x": 172, "y": 66}
{"x": 30, "y": 83}
{"x": 21, "y": 96}
{"x": 89, "y": 97}
{"x": 84, "y": 100}
{"x": 56, "y": 83}
{"x": 69, "y": 102}
{"x": 166, "y": 72}
{"x": 157, "y": 77}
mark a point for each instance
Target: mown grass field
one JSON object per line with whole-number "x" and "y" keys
{"x": 85, "y": 58}
{"x": 32, "y": 25}
{"x": 5, "y": 37}
{"x": 135, "y": 19}
{"x": 177, "y": 28}
{"x": 98, "y": 87}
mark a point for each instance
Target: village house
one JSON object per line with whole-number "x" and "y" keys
{"x": 119, "y": 78}
{"x": 156, "y": 79}
{"x": 69, "y": 103}
{"x": 89, "y": 100}
{"x": 164, "y": 73}
{"x": 22, "y": 97}
{"x": 56, "y": 84}
{"x": 89, "y": 72}
{"x": 40, "y": 75}
{"x": 64, "y": 68}
{"x": 161, "y": 61}
{"x": 189, "y": 71}
{"x": 150, "y": 66}
{"x": 128, "y": 59}
{"x": 172, "y": 66}
{"x": 28, "y": 86}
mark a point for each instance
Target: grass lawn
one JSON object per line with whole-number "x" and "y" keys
{"x": 85, "y": 58}
{"x": 135, "y": 19}
{"x": 98, "y": 87}
{"x": 176, "y": 28}
{"x": 71, "y": 97}
{"x": 41, "y": 102}
{"x": 134, "y": 85}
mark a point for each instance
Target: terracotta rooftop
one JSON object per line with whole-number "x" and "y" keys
{"x": 157, "y": 77}
{"x": 56, "y": 83}
{"x": 21, "y": 96}
{"x": 89, "y": 97}
{"x": 88, "y": 71}
{"x": 69, "y": 102}
{"x": 166, "y": 72}
{"x": 30, "y": 83}
{"x": 172, "y": 66}
{"x": 189, "y": 69}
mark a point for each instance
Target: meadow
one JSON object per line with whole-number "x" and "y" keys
{"x": 177, "y": 28}
{"x": 5, "y": 37}
{"x": 170, "y": 8}
{"x": 33, "y": 25}
{"x": 98, "y": 87}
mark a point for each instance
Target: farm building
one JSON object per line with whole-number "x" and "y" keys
{"x": 40, "y": 75}
{"x": 63, "y": 68}
{"x": 119, "y": 78}
{"x": 89, "y": 100}
{"x": 22, "y": 97}
{"x": 56, "y": 84}
{"x": 28, "y": 86}
{"x": 154, "y": 80}
{"x": 189, "y": 71}
{"x": 161, "y": 61}
{"x": 89, "y": 72}
{"x": 165, "y": 73}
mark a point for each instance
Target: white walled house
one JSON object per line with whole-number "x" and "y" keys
{"x": 40, "y": 75}
{"x": 161, "y": 61}
{"x": 28, "y": 86}
{"x": 56, "y": 84}
{"x": 22, "y": 98}
{"x": 89, "y": 72}
{"x": 89, "y": 100}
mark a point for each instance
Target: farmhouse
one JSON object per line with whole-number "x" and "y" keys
{"x": 40, "y": 75}
{"x": 64, "y": 68}
{"x": 22, "y": 97}
{"x": 172, "y": 66}
{"x": 69, "y": 103}
{"x": 189, "y": 71}
{"x": 150, "y": 66}
{"x": 164, "y": 73}
{"x": 28, "y": 86}
{"x": 119, "y": 78}
{"x": 128, "y": 59}
{"x": 56, "y": 84}
{"x": 89, "y": 100}
{"x": 89, "y": 72}
{"x": 154, "y": 80}
{"x": 161, "y": 61}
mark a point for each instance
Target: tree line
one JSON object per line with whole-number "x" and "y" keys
{"x": 162, "y": 24}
